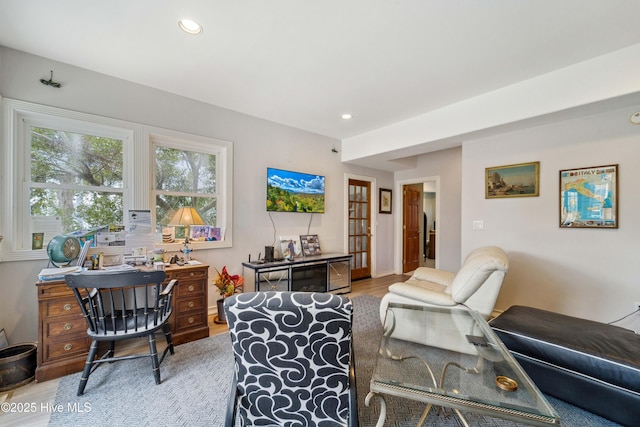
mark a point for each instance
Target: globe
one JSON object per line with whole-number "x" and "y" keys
{"x": 63, "y": 249}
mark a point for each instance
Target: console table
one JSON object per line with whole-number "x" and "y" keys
{"x": 319, "y": 273}
{"x": 62, "y": 331}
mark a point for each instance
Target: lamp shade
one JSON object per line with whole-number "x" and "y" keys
{"x": 186, "y": 216}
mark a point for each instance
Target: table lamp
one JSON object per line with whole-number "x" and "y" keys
{"x": 186, "y": 216}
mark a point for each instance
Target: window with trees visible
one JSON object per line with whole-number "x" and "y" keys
{"x": 185, "y": 178}
{"x": 76, "y": 179}
{"x": 64, "y": 171}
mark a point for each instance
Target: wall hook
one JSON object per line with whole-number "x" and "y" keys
{"x": 50, "y": 82}
{"x": 334, "y": 150}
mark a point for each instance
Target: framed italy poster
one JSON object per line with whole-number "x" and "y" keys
{"x": 589, "y": 197}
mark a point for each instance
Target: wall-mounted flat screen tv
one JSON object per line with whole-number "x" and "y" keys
{"x": 289, "y": 191}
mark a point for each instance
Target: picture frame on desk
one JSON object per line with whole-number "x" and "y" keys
{"x": 310, "y": 245}
{"x": 290, "y": 246}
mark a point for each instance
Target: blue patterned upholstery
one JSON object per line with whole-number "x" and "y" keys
{"x": 293, "y": 357}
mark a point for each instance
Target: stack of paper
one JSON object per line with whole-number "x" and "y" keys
{"x": 57, "y": 273}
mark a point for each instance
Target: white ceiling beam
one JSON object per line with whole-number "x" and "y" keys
{"x": 601, "y": 80}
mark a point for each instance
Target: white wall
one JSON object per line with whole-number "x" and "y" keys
{"x": 444, "y": 165}
{"x": 258, "y": 144}
{"x": 591, "y": 273}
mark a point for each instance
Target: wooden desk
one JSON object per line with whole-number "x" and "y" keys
{"x": 62, "y": 332}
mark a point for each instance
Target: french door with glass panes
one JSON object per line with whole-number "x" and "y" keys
{"x": 360, "y": 228}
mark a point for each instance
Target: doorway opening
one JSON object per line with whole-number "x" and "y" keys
{"x": 429, "y": 225}
{"x": 417, "y": 242}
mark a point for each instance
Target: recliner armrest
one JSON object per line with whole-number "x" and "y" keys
{"x": 421, "y": 294}
{"x": 441, "y": 277}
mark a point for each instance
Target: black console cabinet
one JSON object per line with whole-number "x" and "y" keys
{"x": 320, "y": 273}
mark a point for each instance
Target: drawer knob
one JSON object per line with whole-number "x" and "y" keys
{"x": 66, "y": 307}
{"x": 191, "y": 273}
{"x": 190, "y": 320}
{"x": 191, "y": 288}
{"x": 68, "y": 326}
{"x": 191, "y": 304}
{"x": 68, "y": 347}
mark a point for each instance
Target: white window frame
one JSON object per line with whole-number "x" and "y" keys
{"x": 224, "y": 178}
{"x": 137, "y": 181}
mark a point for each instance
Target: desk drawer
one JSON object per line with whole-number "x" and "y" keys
{"x": 55, "y": 290}
{"x": 74, "y": 325}
{"x": 191, "y": 320}
{"x": 190, "y": 288}
{"x": 187, "y": 274}
{"x": 188, "y": 304}
{"x": 61, "y": 307}
{"x": 65, "y": 348}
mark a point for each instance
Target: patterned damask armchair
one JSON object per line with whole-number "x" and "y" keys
{"x": 293, "y": 358}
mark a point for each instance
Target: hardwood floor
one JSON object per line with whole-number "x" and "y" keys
{"x": 375, "y": 287}
{"x": 28, "y": 404}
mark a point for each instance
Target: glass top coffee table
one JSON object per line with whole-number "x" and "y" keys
{"x": 454, "y": 361}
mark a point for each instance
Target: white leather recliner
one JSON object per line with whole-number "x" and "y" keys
{"x": 475, "y": 286}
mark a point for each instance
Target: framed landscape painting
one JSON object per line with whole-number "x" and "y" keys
{"x": 589, "y": 197}
{"x": 519, "y": 180}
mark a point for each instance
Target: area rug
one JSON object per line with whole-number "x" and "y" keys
{"x": 196, "y": 382}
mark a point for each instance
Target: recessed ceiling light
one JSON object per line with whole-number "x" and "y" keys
{"x": 635, "y": 118}
{"x": 189, "y": 26}
{"x": 347, "y": 116}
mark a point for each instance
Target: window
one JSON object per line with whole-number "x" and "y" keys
{"x": 76, "y": 180}
{"x": 194, "y": 173}
{"x": 184, "y": 178}
{"x": 65, "y": 171}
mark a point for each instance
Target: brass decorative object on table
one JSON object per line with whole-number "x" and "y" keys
{"x": 506, "y": 383}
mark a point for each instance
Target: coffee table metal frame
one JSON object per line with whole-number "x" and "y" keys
{"x": 492, "y": 351}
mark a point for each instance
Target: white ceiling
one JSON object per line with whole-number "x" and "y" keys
{"x": 305, "y": 62}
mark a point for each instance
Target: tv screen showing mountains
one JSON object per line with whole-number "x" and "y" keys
{"x": 289, "y": 191}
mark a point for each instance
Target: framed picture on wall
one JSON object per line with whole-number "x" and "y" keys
{"x": 589, "y": 197}
{"x": 519, "y": 180}
{"x": 385, "y": 201}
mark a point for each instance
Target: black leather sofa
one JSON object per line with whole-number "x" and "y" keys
{"x": 592, "y": 365}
